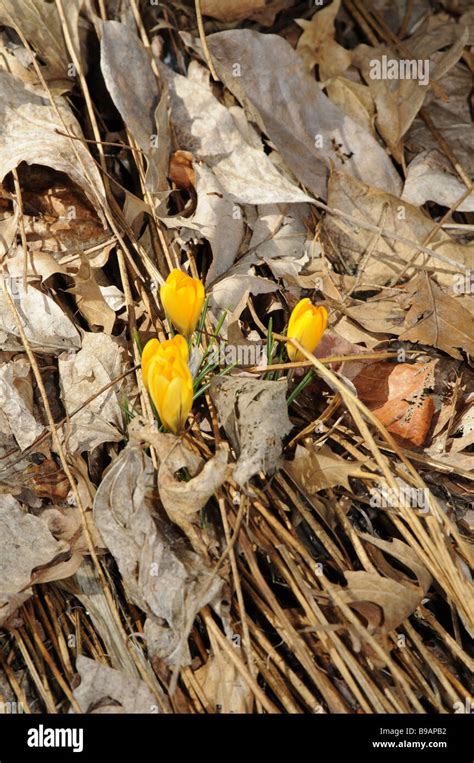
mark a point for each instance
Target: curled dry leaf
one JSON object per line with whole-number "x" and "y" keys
{"x": 46, "y": 325}
{"x": 90, "y": 300}
{"x": 106, "y": 690}
{"x": 254, "y": 415}
{"x": 224, "y": 142}
{"x": 26, "y": 545}
{"x": 81, "y": 375}
{"x": 398, "y": 395}
{"x": 401, "y": 552}
{"x": 161, "y": 575}
{"x": 307, "y": 129}
{"x": 16, "y": 403}
{"x": 184, "y": 499}
{"x": 31, "y": 132}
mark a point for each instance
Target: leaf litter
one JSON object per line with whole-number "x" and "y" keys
{"x": 297, "y": 547}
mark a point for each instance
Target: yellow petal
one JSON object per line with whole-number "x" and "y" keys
{"x": 149, "y": 351}
{"x": 296, "y": 313}
{"x": 176, "y": 405}
{"x": 198, "y": 304}
{"x": 182, "y": 346}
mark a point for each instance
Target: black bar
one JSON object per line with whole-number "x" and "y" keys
{"x": 115, "y": 737}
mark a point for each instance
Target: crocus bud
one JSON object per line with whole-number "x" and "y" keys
{"x": 307, "y": 325}
{"x": 168, "y": 380}
{"x": 182, "y": 298}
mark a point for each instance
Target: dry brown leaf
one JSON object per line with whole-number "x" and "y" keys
{"x": 90, "y": 300}
{"x": 402, "y": 553}
{"x": 398, "y": 100}
{"x": 384, "y": 602}
{"x": 318, "y": 468}
{"x": 463, "y": 428}
{"x": 58, "y": 216}
{"x": 254, "y": 415}
{"x": 65, "y": 524}
{"x": 130, "y": 80}
{"x": 81, "y": 375}
{"x": 307, "y": 129}
{"x": 46, "y": 325}
{"x": 317, "y": 44}
{"x": 26, "y": 544}
{"x": 184, "y": 499}
{"x": 231, "y": 293}
{"x": 47, "y": 480}
{"x": 390, "y": 602}
{"x": 222, "y": 685}
{"x": 384, "y": 258}
{"x": 181, "y": 171}
{"x": 398, "y": 395}
{"x": 16, "y": 403}
{"x": 354, "y": 99}
{"x": 39, "y": 21}
{"x": 231, "y": 10}
{"x": 106, "y": 690}
{"x": 381, "y": 315}
{"x": 436, "y": 318}
{"x": 224, "y": 141}
{"x": 214, "y": 219}
{"x": 430, "y": 177}
{"x": 161, "y": 575}
{"x": 452, "y": 119}
{"x": 31, "y": 132}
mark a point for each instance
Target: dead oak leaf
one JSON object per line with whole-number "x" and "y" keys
{"x": 318, "y": 46}
{"x": 436, "y": 318}
{"x": 316, "y": 469}
{"x": 383, "y": 602}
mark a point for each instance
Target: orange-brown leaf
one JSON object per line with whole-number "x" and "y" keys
{"x": 398, "y": 395}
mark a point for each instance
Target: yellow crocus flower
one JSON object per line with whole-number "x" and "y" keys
{"x": 182, "y": 298}
{"x": 307, "y": 325}
{"x": 168, "y": 379}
